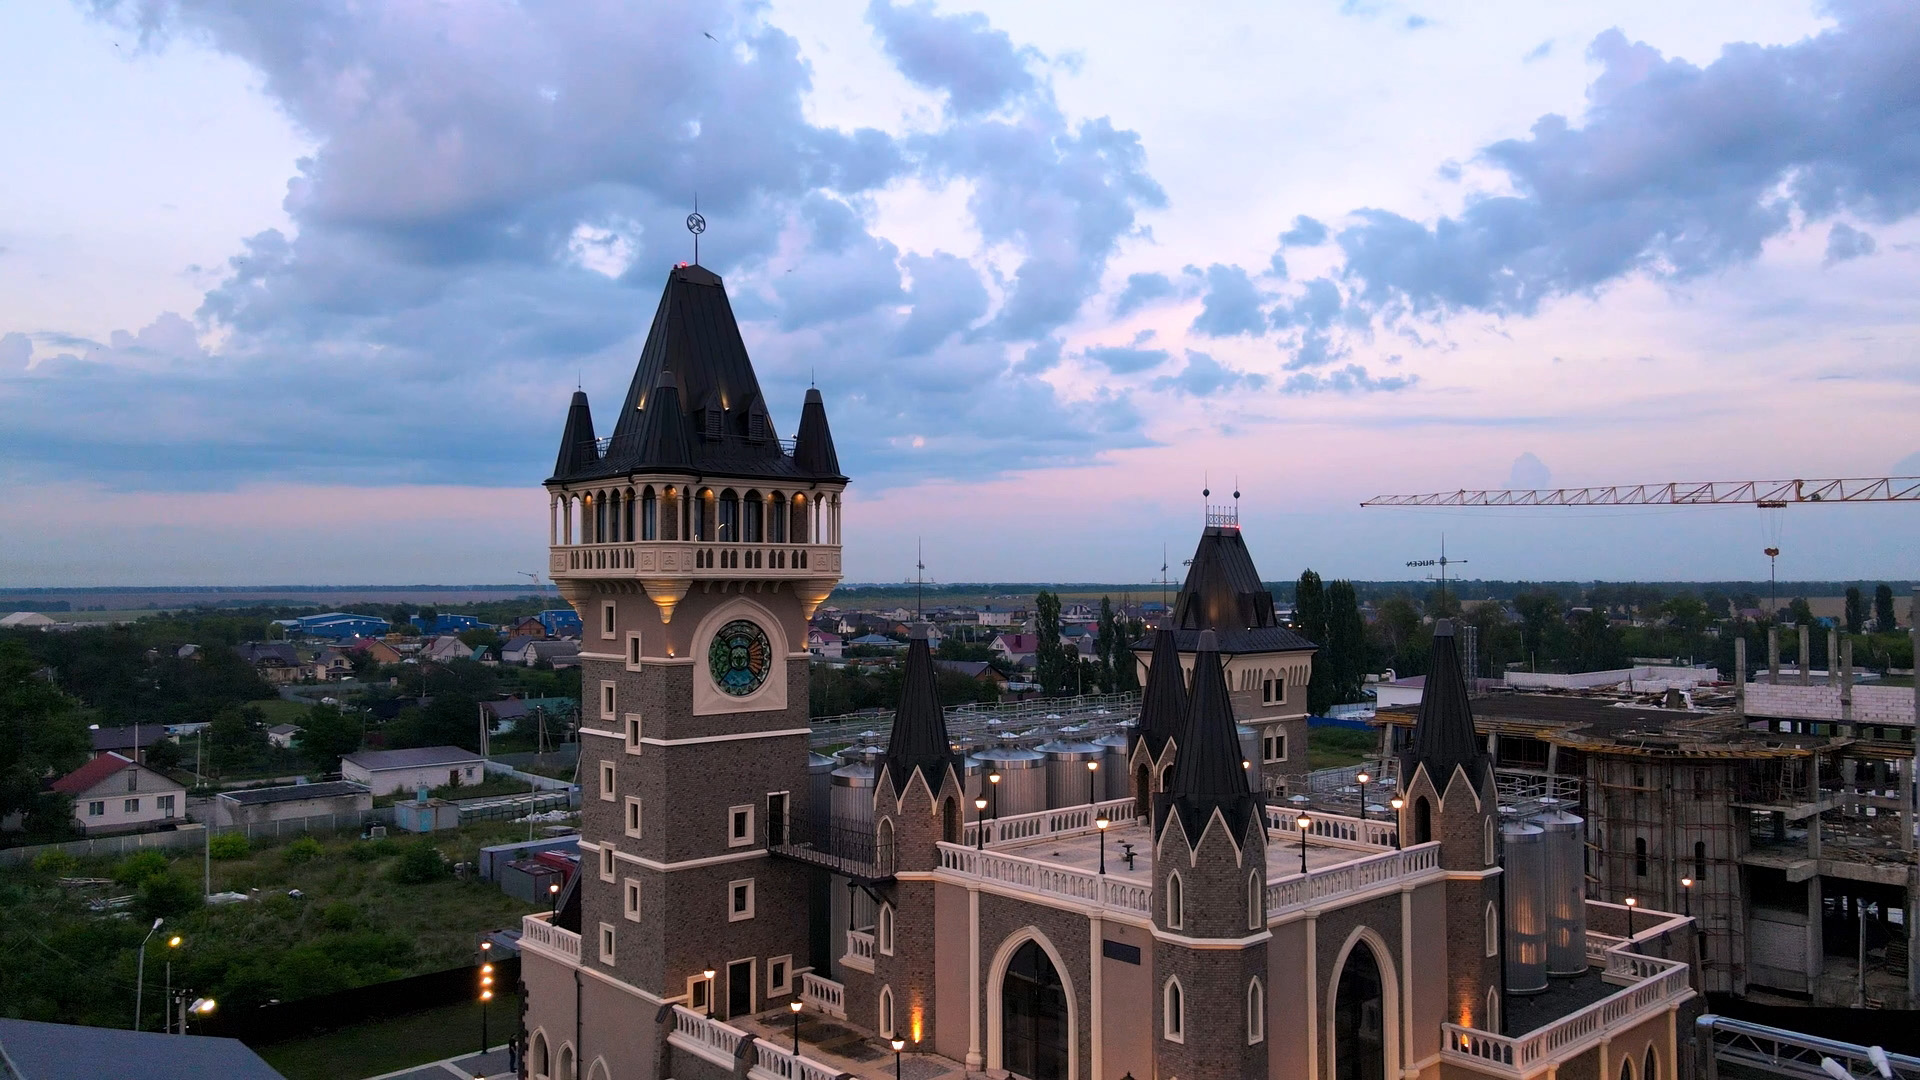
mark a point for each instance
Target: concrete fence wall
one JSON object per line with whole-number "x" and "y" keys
{"x": 1871, "y": 704}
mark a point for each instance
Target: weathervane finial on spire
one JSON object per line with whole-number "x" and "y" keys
{"x": 696, "y": 225}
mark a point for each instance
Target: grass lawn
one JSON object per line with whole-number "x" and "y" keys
{"x": 282, "y": 711}
{"x": 400, "y": 1042}
{"x": 1332, "y": 748}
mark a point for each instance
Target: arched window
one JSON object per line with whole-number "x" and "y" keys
{"x": 1173, "y": 1007}
{"x": 799, "y": 519}
{"x": 950, "y": 820}
{"x": 1493, "y": 931}
{"x": 671, "y": 527}
{"x": 1493, "y": 1009}
{"x": 777, "y": 515}
{"x": 1256, "y": 903}
{"x": 883, "y": 850}
{"x": 703, "y": 515}
{"x": 1175, "y": 906}
{"x": 1034, "y": 1021}
{"x": 886, "y": 930}
{"x": 1486, "y": 842}
{"x": 1650, "y": 1070}
{"x": 599, "y": 1070}
{"x": 729, "y": 531}
{"x": 1422, "y": 820}
{"x": 1699, "y": 861}
{"x": 1256, "y": 1012}
{"x": 753, "y": 515}
{"x": 537, "y": 1061}
{"x": 1626, "y": 1068}
{"x": 566, "y": 1069}
{"x": 886, "y": 1012}
{"x": 1640, "y": 856}
{"x": 649, "y": 514}
{"x": 1359, "y": 1018}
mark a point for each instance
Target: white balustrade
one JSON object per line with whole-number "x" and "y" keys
{"x": 694, "y": 558}
{"x": 1333, "y": 882}
{"x": 1657, "y": 984}
{"x": 1044, "y": 823}
{"x": 1336, "y": 830}
{"x": 711, "y": 1039}
{"x": 538, "y": 931}
{"x": 859, "y": 951}
{"x": 823, "y": 994}
{"x": 1044, "y": 877}
{"x": 774, "y": 1062}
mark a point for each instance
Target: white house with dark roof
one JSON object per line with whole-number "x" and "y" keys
{"x": 385, "y": 772}
{"x": 113, "y": 793}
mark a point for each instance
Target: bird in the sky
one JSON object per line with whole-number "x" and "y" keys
{"x": 710, "y": 37}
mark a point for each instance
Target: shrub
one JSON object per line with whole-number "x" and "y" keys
{"x": 231, "y": 845}
{"x": 138, "y": 867}
{"x": 56, "y": 863}
{"x": 304, "y": 850}
{"x": 166, "y": 893}
{"x": 419, "y": 864}
{"x": 370, "y": 850}
{"x": 340, "y": 915}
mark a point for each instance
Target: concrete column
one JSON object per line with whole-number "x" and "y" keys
{"x": 1740, "y": 674}
{"x": 1816, "y": 944}
{"x": 1773, "y": 655}
{"x": 1806, "y": 651}
{"x": 1845, "y": 666}
{"x": 1833, "y": 656}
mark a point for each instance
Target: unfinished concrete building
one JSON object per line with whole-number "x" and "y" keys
{"x": 1780, "y": 814}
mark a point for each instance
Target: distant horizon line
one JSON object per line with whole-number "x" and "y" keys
{"x": 1076, "y": 586}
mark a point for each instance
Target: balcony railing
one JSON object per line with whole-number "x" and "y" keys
{"x": 717, "y": 1042}
{"x": 823, "y": 994}
{"x": 859, "y": 954}
{"x": 1043, "y": 823}
{"x": 1318, "y": 887}
{"x": 1043, "y": 877}
{"x": 845, "y": 846}
{"x": 698, "y": 559}
{"x": 1335, "y": 829}
{"x": 1652, "y": 985}
{"x": 538, "y": 931}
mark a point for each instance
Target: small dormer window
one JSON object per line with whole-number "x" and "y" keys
{"x": 757, "y": 427}
{"x": 713, "y": 423}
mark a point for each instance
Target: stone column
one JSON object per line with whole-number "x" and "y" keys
{"x": 1833, "y": 656}
{"x": 1845, "y": 667}
{"x": 1739, "y": 675}
{"x": 1773, "y": 655}
{"x": 1806, "y": 652}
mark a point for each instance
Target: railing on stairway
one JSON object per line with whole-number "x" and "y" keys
{"x": 538, "y": 930}
{"x": 859, "y": 954}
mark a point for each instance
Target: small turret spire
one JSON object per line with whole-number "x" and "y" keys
{"x": 919, "y": 738}
{"x": 1443, "y": 733}
{"x": 1209, "y": 772}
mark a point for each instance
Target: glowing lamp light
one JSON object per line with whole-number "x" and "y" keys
{"x": 898, "y": 1045}
{"x": 795, "y": 1006}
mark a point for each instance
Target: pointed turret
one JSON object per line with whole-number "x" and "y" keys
{"x": 919, "y": 738}
{"x": 1443, "y": 734}
{"x": 1163, "y": 702}
{"x": 1209, "y": 772}
{"x": 813, "y": 451}
{"x": 578, "y": 452}
{"x": 660, "y": 439}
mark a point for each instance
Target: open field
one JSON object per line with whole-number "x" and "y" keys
{"x": 1333, "y": 748}
{"x": 389, "y": 1045}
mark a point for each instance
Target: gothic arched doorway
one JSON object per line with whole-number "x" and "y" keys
{"x": 1033, "y": 1016}
{"x": 1359, "y": 1019}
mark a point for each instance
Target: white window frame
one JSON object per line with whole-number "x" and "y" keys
{"x": 782, "y": 966}
{"x": 635, "y": 820}
{"x": 738, "y": 838}
{"x": 1256, "y": 903}
{"x": 608, "y": 782}
{"x": 130, "y": 806}
{"x": 609, "y": 700}
{"x": 1173, "y": 1010}
{"x": 633, "y": 733}
{"x": 700, "y": 992}
{"x": 1486, "y": 842}
{"x": 1280, "y": 687}
{"x": 606, "y": 944}
{"x": 633, "y": 650}
{"x": 164, "y": 804}
{"x": 1270, "y": 742}
{"x": 883, "y": 934}
{"x": 1256, "y": 1012}
{"x": 96, "y": 808}
{"x": 1176, "y": 902}
{"x": 609, "y": 621}
{"x": 606, "y": 861}
{"x": 1492, "y": 931}
{"x": 630, "y": 899}
{"x": 734, "y": 915}
{"x": 886, "y": 1012}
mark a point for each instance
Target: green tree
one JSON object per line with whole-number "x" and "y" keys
{"x": 1688, "y": 614}
{"x": 1596, "y": 644}
{"x": 166, "y": 894}
{"x": 236, "y": 738}
{"x": 1540, "y": 618}
{"x": 1053, "y": 668}
{"x": 1346, "y": 651}
{"x": 1113, "y": 640}
{"x": 1856, "y": 610}
{"x": 1799, "y": 612}
{"x": 1310, "y": 617}
{"x": 41, "y": 735}
{"x": 164, "y": 755}
{"x": 326, "y": 736}
{"x": 1883, "y": 608}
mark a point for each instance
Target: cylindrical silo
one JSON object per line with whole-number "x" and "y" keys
{"x": 1526, "y": 903}
{"x": 1023, "y": 781}
{"x": 1565, "y": 837}
{"x": 1113, "y": 762}
{"x": 1069, "y": 781}
{"x": 972, "y": 779}
{"x": 1249, "y": 744}
{"x": 819, "y": 799}
{"x": 853, "y": 805}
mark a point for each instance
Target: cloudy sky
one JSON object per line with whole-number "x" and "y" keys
{"x": 297, "y": 292}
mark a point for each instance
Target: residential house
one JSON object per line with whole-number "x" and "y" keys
{"x": 874, "y": 641}
{"x": 36, "y": 1050}
{"x": 978, "y": 670}
{"x": 990, "y": 615}
{"x": 385, "y": 772}
{"x": 276, "y": 661}
{"x": 507, "y": 714}
{"x": 340, "y": 799}
{"x": 824, "y": 644}
{"x": 1016, "y": 649}
{"x": 516, "y": 650}
{"x": 446, "y": 649}
{"x": 558, "y": 655}
{"x": 527, "y": 626}
{"x": 378, "y": 651}
{"x": 332, "y": 664}
{"x": 113, "y": 793}
{"x": 281, "y": 735}
{"x": 130, "y": 742}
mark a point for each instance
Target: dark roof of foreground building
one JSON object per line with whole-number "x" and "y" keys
{"x": 39, "y": 1051}
{"x": 1209, "y": 772}
{"x": 1443, "y": 735}
{"x": 330, "y": 789}
{"x": 695, "y": 405}
{"x": 1163, "y": 702}
{"x": 1223, "y": 593}
{"x": 919, "y": 738}
{"x": 415, "y": 758}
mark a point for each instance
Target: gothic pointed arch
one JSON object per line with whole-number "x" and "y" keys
{"x": 998, "y": 973}
{"x": 1363, "y": 1010}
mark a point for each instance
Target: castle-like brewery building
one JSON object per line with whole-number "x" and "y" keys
{"x": 995, "y": 913}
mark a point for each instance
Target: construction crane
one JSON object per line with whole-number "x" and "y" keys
{"x": 1766, "y": 494}
{"x": 532, "y": 577}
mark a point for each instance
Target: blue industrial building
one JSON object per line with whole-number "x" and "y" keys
{"x": 447, "y": 624}
{"x": 337, "y": 625}
{"x": 561, "y": 622}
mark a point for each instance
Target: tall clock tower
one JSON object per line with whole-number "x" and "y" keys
{"x": 695, "y": 543}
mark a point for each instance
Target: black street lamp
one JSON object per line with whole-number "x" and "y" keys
{"x": 1686, "y": 896}
{"x": 1631, "y": 904}
{"x": 794, "y": 1007}
{"x": 1362, "y": 778}
{"x": 553, "y": 898}
{"x": 708, "y": 975}
{"x": 1093, "y": 770}
{"x": 980, "y": 823}
{"x": 1102, "y": 823}
{"x": 993, "y": 779}
{"x": 898, "y": 1045}
{"x": 1398, "y": 804}
{"x": 486, "y": 989}
{"x": 1303, "y": 821}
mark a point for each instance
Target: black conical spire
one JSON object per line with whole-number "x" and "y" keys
{"x": 1163, "y": 703}
{"x": 578, "y": 452}
{"x": 1443, "y": 734}
{"x": 813, "y": 451}
{"x": 1209, "y": 772}
{"x": 919, "y": 738}
{"x": 660, "y": 438}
